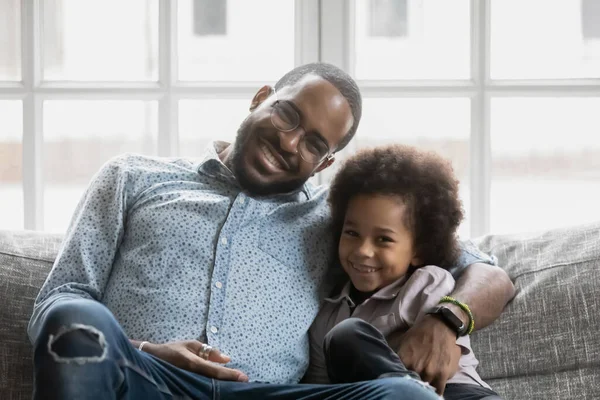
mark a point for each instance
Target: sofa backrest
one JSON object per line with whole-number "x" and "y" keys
{"x": 25, "y": 261}
{"x": 546, "y": 344}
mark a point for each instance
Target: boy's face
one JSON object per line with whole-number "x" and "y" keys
{"x": 376, "y": 248}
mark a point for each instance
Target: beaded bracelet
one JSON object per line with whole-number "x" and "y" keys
{"x": 464, "y": 307}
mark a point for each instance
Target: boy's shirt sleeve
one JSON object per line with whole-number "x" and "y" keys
{"x": 470, "y": 254}
{"x": 422, "y": 292}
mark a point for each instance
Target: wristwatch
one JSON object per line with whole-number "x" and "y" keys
{"x": 450, "y": 319}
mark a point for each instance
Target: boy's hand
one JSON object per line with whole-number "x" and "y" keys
{"x": 429, "y": 348}
{"x": 184, "y": 355}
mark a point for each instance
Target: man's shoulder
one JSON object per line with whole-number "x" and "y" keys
{"x": 139, "y": 163}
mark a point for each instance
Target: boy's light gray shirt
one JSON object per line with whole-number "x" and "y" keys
{"x": 177, "y": 251}
{"x": 395, "y": 307}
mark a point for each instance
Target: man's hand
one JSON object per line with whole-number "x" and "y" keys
{"x": 429, "y": 348}
{"x": 184, "y": 355}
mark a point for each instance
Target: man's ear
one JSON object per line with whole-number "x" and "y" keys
{"x": 326, "y": 163}
{"x": 260, "y": 96}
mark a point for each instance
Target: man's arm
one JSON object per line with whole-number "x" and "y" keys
{"x": 429, "y": 346}
{"x": 84, "y": 262}
{"x": 486, "y": 289}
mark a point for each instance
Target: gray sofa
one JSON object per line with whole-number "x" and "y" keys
{"x": 546, "y": 345}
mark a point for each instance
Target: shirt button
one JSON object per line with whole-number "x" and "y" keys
{"x": 224, "y": 241}
{"x": 214, "y": 329}
{"x": 219, "y": 285}
{"x": 242, "y": 200}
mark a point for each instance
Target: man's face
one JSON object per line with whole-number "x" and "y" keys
{"x": 267, "y": 161}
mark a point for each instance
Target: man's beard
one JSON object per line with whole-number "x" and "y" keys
{"x": 246, "y": 181}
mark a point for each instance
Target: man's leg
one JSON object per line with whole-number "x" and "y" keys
{"x": 83, "y": 353}
{"x": 393, "y": 388}
{"x": 356, "y": 351}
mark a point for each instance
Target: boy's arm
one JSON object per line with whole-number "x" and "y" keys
{"x": 428, "y": 346}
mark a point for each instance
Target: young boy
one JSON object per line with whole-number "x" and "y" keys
{"x": 396, "y": 210}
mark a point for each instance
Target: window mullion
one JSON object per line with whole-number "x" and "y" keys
{"x": 167, "y": 55}
{"x": 33, "y": 186}
{"x": 307, "y": 31}
{"x": 480, "y": 148}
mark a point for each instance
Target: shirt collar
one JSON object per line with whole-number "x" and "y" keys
{"x": 385, "y": 293}
{"x": 212, "y": 165}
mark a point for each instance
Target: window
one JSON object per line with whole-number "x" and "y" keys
{"x": 10, "y": 40}
{"x": 508, "y": 90}
{"x": 146, "y": 76}
{"x": 210, "y": 17}
{"x": 388, "y": 18}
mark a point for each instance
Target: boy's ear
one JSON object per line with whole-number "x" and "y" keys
{"x": 260, "y": 96}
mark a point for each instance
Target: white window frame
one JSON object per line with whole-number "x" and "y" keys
{"x": 168, "y": 91}
{"x": 337, "y": 47}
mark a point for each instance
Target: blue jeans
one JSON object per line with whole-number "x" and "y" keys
{"x": 83, "y": 353}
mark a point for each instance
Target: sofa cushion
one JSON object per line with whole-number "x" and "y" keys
{"x": 25, "y": 260}
{"x": 546, "y": 343}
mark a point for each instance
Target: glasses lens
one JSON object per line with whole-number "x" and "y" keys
{"x": 313, "y": 149}
{"x": 284, "y": 117}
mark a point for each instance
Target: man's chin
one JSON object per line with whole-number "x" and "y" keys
{"x": 255, "y": 187}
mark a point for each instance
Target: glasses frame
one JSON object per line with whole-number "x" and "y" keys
{"x": 328, "y": 156}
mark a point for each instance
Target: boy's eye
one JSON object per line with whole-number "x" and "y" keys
{"x": 386, "y": 239}
{"x": 351, "y": 233}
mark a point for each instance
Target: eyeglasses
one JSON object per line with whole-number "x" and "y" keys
{"x": 285, "y": 118}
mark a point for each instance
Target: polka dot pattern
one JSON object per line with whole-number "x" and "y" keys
{"x": 177, "y": 252}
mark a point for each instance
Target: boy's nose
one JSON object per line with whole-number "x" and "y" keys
{"x": 364, "y": 250}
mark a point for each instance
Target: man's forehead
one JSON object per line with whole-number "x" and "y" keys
{"x": 318, "y": 97}
{"x": 310, "y": 85}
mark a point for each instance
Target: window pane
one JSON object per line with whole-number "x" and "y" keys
{"x": 10, "y": 40}
{"x": 235, "y": 40}
{"x": 546, "y": 163}
{"x": 441, "y": 125}
{"x": 109, "y": 40}
{"x": 11, "y": 165}
{"x": 79, "y": 137}
{"x": 540, "y": 39}
{"x": 412, "y": 39}
{"x": 202, "y": 121}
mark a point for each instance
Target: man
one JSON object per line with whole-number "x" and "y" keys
{"x": 232, "y": 252}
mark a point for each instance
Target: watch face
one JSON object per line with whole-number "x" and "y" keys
{"x": 453, "y": 319}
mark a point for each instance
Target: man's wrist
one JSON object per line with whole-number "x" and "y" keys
{"x": 459, "y": 312}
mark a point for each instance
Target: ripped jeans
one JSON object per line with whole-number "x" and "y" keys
{"x": 83, "y": 353}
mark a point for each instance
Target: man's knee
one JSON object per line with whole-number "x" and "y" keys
{"x": 73, "y": 331}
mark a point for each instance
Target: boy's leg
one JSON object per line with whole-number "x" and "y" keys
{"x": 392, "y": 388}
{"x": 83, "y": 353}
{"x": 356, "y": 351}
{"x": 463, "y": 391}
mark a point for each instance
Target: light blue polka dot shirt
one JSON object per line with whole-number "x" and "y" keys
{"x": 177, "y": 251}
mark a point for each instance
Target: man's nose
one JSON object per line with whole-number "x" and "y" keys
{"x": 289, "y": 141}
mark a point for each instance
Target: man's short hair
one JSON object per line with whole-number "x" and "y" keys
{"x": 424, "y": 182}
{"x": 338, "y": 78}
